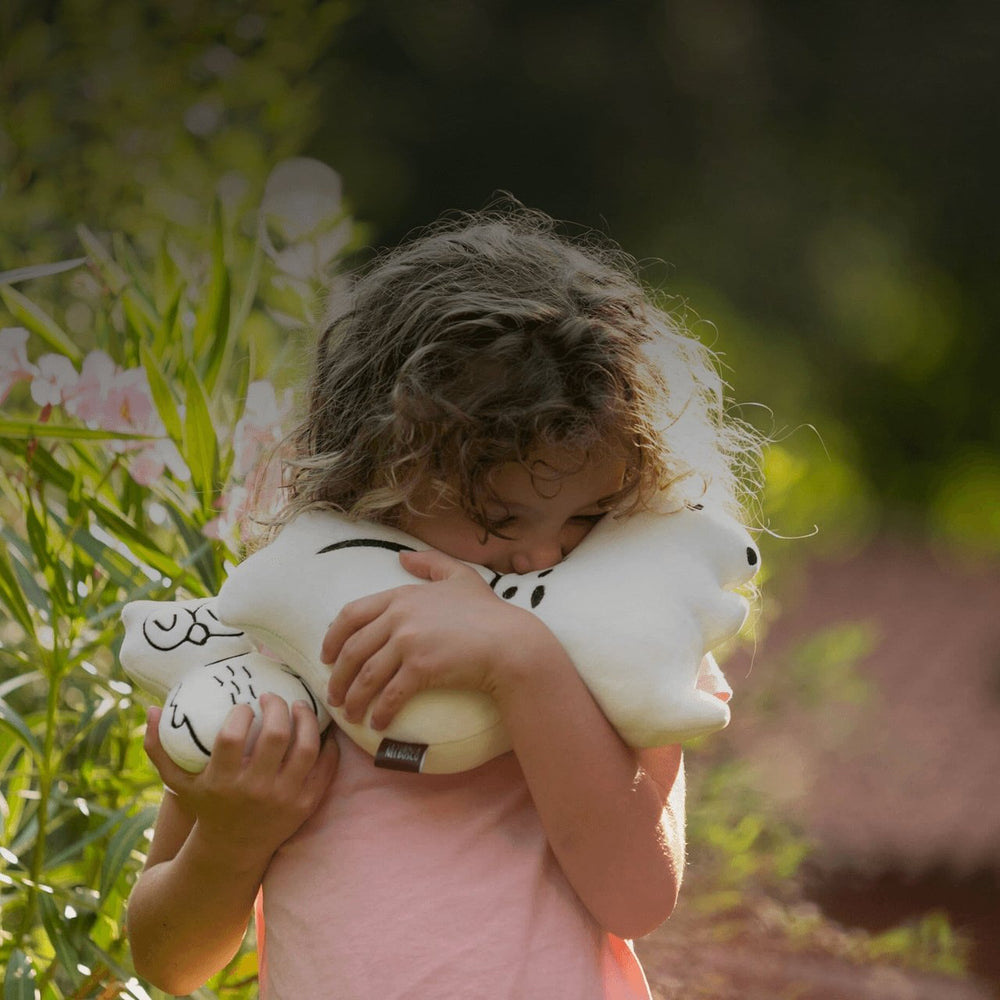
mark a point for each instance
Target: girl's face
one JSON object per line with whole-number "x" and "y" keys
{"x": 543, "y": 512}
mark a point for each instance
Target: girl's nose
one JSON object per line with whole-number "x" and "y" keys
{"x": 535, "y": 556}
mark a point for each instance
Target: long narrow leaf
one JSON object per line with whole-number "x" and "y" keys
{"x": 28, "y": 314}
{"x": 138, "y": 542}
{"x": 122, "y": 844}
{"x": 65, "y": 951}
{"x": 13, "y": 683}
{"x": 24, "y": 572}
{"x": 211, "y": 329}
{"x": 113, "y": 274}
{"x": 19, "y": 980}
{"x": 29, "y": 429}
{"x": 75, "y": 849}
{"x": 141, "y": 318}
{"x": 249, "y": 295}
{"x": 199, "y": 438}
{"x": 10, "y": 720}
{"x": 33, "y": 271}
{"x": 12, "y": 595}
{"x": 162, "y": 394}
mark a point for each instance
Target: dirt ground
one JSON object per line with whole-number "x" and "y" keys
{"x": 682, "y": 964}
{"x": 887, "y": 761}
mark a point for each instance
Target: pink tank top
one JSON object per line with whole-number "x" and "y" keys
{"x": 430, "y": 887}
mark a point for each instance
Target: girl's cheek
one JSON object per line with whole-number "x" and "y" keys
{"x": 573, "y": 534}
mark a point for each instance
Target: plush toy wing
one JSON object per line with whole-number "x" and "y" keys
{"x": 286, "y": 594}
{"x": 181, "y": 652}
{"x": 637, "y": 606}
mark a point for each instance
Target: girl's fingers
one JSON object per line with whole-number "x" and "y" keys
{"x": 304, "y": 745}
{"x": 396, "y": 693}
{"x": 378, "y": 670}
{"x": 352, "y": 617}
{"x": 353, "y": 657}
{"x": 429, "y": 564}
{"x": 275, "y": 734}
{"x": 229, "y": 747}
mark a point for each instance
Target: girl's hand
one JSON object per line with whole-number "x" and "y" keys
{"x": 453, "y": 632}
{"x": 252, "y": 801}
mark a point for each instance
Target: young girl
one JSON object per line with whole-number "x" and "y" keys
{"x": 493, "y": 389}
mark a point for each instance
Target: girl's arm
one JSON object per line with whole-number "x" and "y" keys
{"x": 613, "y": 816}
{"x": 214, "y": 837}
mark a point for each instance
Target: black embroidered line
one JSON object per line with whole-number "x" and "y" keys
{"x": 185, "y": 723}
{"x": 231, "y": 656}
{"x": 374, "y": 543}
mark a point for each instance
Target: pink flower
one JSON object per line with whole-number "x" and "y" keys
{"x": 55, "y": 380}
{"x": 260, "y": 426}
{"x": 130, "y": 406}
{"x": 88, "y": 400}
{"x": 119, "y": 400}
{"x": 148, "y": 464}
{"x": 14, "y": 364}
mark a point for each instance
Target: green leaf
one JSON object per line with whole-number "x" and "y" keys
{"x": 33, "y": 271}
{"x": 200, "y": 445}
{"x": 249, "y": 295}
{"x": 10, "y": 720}
{"x": 66, "y": 954}
{"x": 19, "y": 980}
{"x": 29, "y": 429}
{"x": 75, "y": 850}
{"x": 140, "y": 316}
{"x": 38, "y": 321}
{"x": 166, "y": 277}
{"x": 122, "y": 844}
{"x": 166, "y": 329}
{"x": 24, "y": 575}
{"x": 120, "y": 570}
{"x": 113, "y": 274}
{"x": 211, "y": 328}
{"x": 13, "y": 596}
{"x": 163, "y": 395}
{"x": 37, "y": 536}
{"x": 140, "y": 545}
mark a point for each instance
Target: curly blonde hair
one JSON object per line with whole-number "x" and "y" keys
{"x": 486, "y": 338}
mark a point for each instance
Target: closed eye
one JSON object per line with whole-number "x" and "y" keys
{"x": 496, "y": 527}
{"x": 590, "y": 519}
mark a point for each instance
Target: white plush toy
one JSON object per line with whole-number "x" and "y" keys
{"x": 181, "y": 652}
{"x": 638, "y": 606}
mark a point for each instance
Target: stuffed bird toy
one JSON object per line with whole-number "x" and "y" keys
{"x": 639, "y": 605}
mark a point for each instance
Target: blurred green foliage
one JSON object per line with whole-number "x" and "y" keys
{"x": 820, "y": 178}
{"x": 128, "y": 116}
{"x": 87, "y": 526}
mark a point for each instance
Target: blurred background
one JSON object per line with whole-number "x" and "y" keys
{"x": 812, "y": 188}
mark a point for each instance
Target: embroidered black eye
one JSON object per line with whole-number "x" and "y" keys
{"x": 509, "y": 593}
{"x": 752, "y": 556}
{"x": 536, "y": 596}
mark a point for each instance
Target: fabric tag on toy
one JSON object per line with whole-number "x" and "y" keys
{"x": 395, "y": 755}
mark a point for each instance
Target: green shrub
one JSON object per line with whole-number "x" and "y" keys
{"x": 124, "y": 463}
